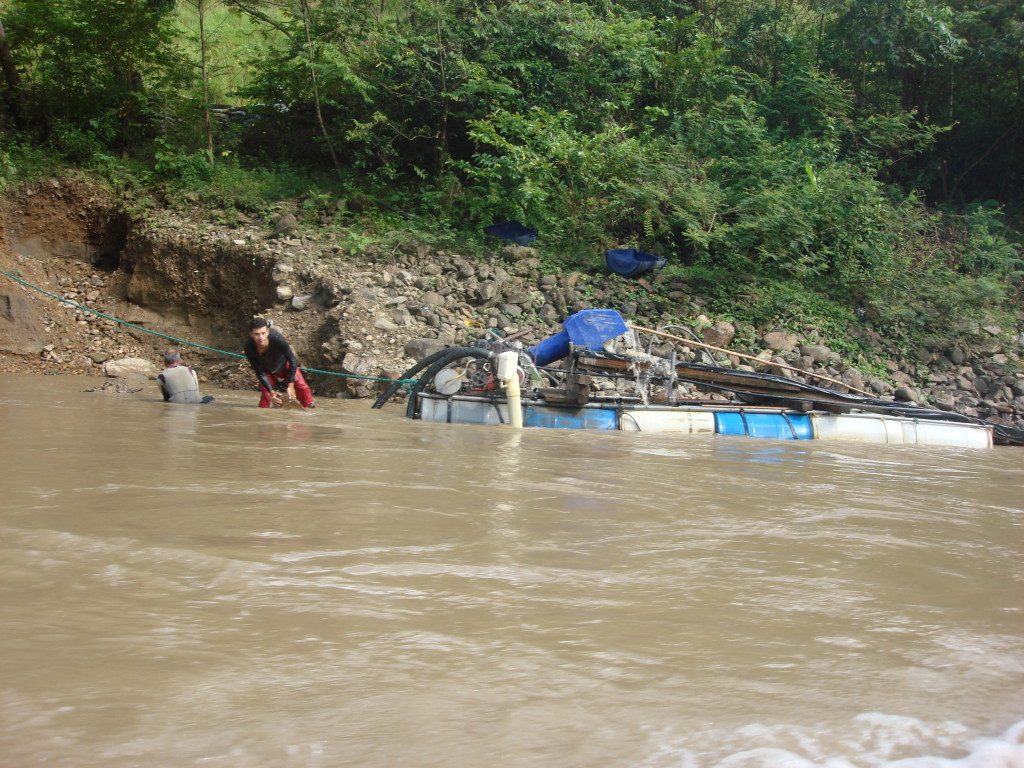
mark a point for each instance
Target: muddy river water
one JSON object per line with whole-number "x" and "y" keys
{"x": 223, "y": 586}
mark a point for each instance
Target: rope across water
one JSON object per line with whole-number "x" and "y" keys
{"x": 407, "y": 383}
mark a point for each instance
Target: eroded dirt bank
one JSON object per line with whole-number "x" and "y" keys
{"x": 371, "y": 314}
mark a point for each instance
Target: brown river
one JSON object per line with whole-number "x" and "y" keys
{"x": 221, "y": 586}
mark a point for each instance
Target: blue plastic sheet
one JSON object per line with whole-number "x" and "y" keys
{"x": 629, "y": 262}
{"x": 589, "y": 328}
{"x": 512, "y": 231}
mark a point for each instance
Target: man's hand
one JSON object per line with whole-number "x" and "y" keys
{"x": 275, "y": 400}
{"x": 291, "y": 392}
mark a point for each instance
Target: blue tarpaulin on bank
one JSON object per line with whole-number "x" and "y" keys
{"x": 512, "y": 231}
{"x": 629, "y": 262}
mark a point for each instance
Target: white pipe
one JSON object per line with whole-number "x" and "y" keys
{"x": 508, "y": 375}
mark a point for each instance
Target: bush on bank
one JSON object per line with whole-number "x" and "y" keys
{"x": 946, "y": 276}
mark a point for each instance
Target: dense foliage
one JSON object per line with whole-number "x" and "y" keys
{"x": 865, "y": 155}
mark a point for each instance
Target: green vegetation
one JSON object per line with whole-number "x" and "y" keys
{"x": 800, "y": 162}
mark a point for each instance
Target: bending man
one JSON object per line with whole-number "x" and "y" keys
{"x": 274, "y": 362}
{"x": 178, "y": 382}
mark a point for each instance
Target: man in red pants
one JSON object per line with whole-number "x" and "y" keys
{"x": 274, "y": 362}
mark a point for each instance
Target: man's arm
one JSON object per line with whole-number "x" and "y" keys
{"x": 163, "y": 387}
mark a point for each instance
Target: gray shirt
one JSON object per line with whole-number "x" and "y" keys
{"x": 179, "y": 384}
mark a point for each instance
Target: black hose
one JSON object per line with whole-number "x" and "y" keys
{"x": 453, "y": 354}
{"x": 396, "y": 385}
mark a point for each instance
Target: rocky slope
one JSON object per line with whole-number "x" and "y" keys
{"x": 174, "y": 278}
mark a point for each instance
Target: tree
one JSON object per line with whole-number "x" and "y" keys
{"x": 89, "y": 65}
{"x": 12, "y": 79}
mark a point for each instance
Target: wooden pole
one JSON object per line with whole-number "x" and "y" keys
{"x": 692, "y": 343}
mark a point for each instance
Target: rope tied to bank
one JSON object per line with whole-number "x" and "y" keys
{"x": 407, "y": 383}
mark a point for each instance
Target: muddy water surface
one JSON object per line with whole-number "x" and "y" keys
{"x": 223, "y": 586}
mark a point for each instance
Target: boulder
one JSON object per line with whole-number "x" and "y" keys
{"x": 780, "y": 341}
{"x": 518, "y": 253}
{"x": 401, "y": 317}
{"x": 880, "y": 387}
{"x": 819, "y": 353}
{"x": 282, "y": 272}
{"x": 901, "y": 377}
{"x": 299, "y": 303}
{"x": 777, "y": 367}
{"x": 360, "y": 365}
{"x": 983, "y": 385}
{"x": 548, "y": 314}
{"x": 486, "y": 291}
{"x": 421, "y": 348}
{"x": 21, "y": 327}
{"x": 906, "y": 394}
{"x": 285, "y": 225}
{"x": 130, "y": 367}
{"x": 853, "y": 378}
{"x": 720, "y": 334}
{"x": 431, "y": 299}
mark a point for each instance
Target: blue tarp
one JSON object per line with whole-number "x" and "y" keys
{"x": 589, "y": 328}
{"x": 629, "y": 262}
{"x": 512, "y": 231}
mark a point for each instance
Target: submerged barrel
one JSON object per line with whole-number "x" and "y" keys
{"x": 570, "y": 418}
{"x": 780, "y": 426}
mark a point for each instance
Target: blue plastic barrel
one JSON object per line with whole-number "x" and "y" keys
{"x": 552, "y": 348}
{"x": 781, "y": 426}
{"x": 570, "y": 418}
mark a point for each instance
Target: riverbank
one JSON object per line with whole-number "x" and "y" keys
{"x": 77, "y": 263}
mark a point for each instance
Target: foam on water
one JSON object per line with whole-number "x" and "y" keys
{"x": 873, "y": 740}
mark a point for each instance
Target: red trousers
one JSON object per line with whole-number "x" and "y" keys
{"x": 302, "y": 392}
